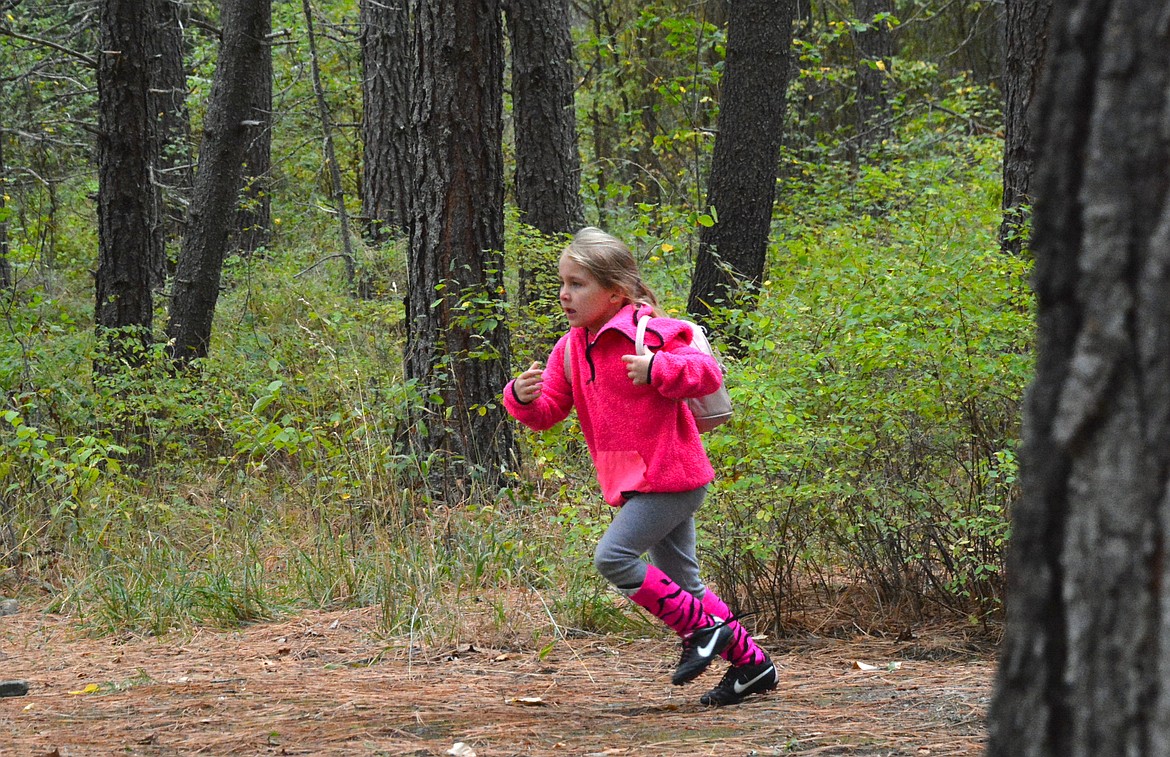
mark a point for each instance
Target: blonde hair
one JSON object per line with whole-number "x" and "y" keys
{"x": 610, "y": 261}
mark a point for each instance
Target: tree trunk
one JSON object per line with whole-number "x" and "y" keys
{"x": 1083, "y": 671}
{"x": 173, "y": 174}
{"x": 6, "y": 280}
{"x": 875, "y": 51}
{"x": 227, "y": 128}
{"x": 130, "y": 243}
{"x": 254, "y": 220}
{"x": 602, "y": 134}
{"x": 457, "y": 339}
{"x": 385, "y": 40}
{"x": 742, "y": 187}
{"x": 1027, "y": 36}
{"x": 548, "y": 167}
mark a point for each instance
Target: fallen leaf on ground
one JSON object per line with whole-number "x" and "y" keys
{"x": 859, "y": 665}
{"x": 92, "y": 688}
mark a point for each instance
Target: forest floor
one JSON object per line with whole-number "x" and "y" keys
{"x": 326, "y": 683}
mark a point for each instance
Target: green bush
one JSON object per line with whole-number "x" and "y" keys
{"x": 878, "y": 402}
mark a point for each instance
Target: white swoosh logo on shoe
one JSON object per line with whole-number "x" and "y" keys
{"x": 708, "y": 649}
{"x": 742, "y": 687}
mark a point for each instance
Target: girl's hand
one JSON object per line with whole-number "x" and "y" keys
{"x": 638, "y": 367}
{"x": 528, "y": 384}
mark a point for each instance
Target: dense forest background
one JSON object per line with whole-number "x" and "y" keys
{"x": 877, "y": 366}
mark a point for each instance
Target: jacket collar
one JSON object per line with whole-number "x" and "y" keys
{"x": 626, "y": 320}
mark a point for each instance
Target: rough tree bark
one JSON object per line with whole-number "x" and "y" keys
{"x": 457, "y": 339}
{"x": 548, "y": 167}
{"x": 742, "y": 186}
{"x": 226, "y": 130}
{"x": 254, "y": 220}
{"x": 385, "y": 181}
{"x": 174, "y": 173}
{"x": 130, "y": 241}
{"x": 1085, "y": 667}
{"x": 1026, "y": 26}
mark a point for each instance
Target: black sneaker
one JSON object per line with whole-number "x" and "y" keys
{"x": 740, "y": 682}
{"x": 699, "y": 648}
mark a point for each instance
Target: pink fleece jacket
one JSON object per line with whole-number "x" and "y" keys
{"x": 641, "y": 438}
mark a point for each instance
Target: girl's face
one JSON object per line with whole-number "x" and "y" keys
{"x": 585, "y": 302}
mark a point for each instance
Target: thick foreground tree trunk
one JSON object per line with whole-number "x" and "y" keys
{"x": 457, "y": 339}
{"x": 227, "y": 128}
{"x": 1085, "y": 664}
{"x": 742, "y": 187}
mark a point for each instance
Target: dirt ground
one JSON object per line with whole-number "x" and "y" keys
{"x": 327, "y": 684}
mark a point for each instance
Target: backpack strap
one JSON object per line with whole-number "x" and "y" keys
{"x": 640, "y": 336}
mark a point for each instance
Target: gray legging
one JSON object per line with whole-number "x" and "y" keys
{"x": 662, "y": 525}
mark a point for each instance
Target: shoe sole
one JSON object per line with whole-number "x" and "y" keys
{"x": 734, "y": 702}
{"x": 740, "y": 699}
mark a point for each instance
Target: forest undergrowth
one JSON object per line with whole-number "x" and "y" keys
{"x": 865, "y": 483}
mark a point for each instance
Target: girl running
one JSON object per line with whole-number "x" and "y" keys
{"x": 647, "y": 451}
